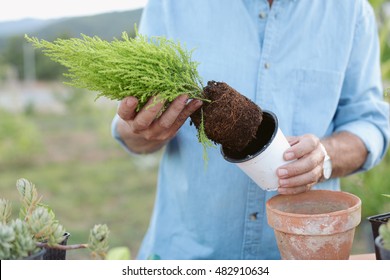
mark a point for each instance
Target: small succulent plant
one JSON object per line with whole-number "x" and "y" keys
{"x": 38, "y": 228}
{"x": 384, "y": 231}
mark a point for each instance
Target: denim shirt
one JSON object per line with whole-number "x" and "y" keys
{"x": 314, "y": 63}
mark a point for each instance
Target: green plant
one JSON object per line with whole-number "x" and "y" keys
{"x": 384, "y": 231}
{"x": 38, "y": 228}
{"x": 142, "y": 67}
{"x": 367, "y": 186}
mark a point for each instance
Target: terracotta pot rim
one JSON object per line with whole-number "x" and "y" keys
{"x": 351, "y": 209}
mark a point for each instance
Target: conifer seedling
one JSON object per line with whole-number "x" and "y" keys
{"x": 148, "y": 67}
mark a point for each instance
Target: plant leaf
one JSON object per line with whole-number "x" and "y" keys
{"x": 118, "y": 253}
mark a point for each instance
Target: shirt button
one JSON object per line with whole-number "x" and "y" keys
{"x": 262, "y": 15}
{"x": 253, "y": 216}
{"x": 266, "y": 65}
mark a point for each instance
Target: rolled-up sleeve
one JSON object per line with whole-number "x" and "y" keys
{"x": 362, "y": 110}
{"x": 115, "y": 134}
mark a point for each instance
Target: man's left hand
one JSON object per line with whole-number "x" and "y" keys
{"x": 306, "y": 167}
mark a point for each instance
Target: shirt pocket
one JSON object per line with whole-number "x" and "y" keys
{"x": 316, "y": 96}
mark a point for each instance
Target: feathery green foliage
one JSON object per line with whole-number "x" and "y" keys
{"x": 141, "y": 67}
{"x": 136, "y": 67}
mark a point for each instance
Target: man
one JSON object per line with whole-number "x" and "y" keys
{"x": 314, "y": 63}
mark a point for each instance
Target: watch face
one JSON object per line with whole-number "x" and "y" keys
{"x": 327, "y": 169}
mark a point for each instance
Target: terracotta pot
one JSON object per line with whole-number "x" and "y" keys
{"x": 318, "y": 224}
{"x": 263, "y": 155}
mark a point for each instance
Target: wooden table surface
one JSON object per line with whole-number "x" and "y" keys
{"x": 370, "y": 256}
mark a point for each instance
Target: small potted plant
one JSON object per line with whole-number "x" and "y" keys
{"x": 376, "y": 222}
{"x": 36, "y": 234}
{"x": 382, "y": 242}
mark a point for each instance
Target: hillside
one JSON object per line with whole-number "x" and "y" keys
{"x": 9, "y": 28}
{"x": 106, "y": 26}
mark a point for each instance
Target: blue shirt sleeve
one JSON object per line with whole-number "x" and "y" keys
{"x": 361, "y": 109}
{"x": 115, "y": 134}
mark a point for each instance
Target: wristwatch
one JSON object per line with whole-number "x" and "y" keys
{"x": 327, "y": 164}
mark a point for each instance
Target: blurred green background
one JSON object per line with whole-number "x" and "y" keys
{"x": 59, "y": 138}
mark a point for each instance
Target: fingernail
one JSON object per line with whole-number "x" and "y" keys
{"x": 129, "y": 101}
{"x": 283, "y": 182}
{"x": 289, "y": 156}
{"x": 282, "y": 172}
{"x": 282, "y": 190}
{"x": 184, "y": 99}
{"x": 199, "y": 102}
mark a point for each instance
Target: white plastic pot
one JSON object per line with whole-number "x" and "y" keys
{"x": 265, "y": 154}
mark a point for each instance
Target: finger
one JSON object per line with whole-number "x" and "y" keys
{"x": 156, "y": 132}
{"x": 305, "y": 145}
{"x": 302, "y": 165}
{"x": 170, "y": 115}
{"x": 191, "y": 107}
{"x": 292, "y": 140}
{"x": 148, "y": 114}
{"x": 288, "y": 191}
{"x": 127, "y": 108}
{"x": 309, "y": 178}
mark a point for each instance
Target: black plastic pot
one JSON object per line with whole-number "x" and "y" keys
{"x": 57, "y": 254}
{"x": 37, "y": 256}
{"x": 383, "y": 252}
{"x": 376, "y": 221}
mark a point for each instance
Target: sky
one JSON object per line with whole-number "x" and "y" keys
{"x": 44, "y": 9}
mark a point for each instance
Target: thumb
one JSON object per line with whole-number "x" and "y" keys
{"x": 127, "y": 108}
{"x": 292, "y": 140}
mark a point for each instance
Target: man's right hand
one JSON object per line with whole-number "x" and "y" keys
{"x": 148, "y": 130}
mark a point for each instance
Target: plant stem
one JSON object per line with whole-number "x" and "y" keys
{"x": 61, "y": 247}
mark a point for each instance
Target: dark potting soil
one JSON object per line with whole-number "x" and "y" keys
{"x": 264, "y": 135}
{"x": 230, "y": 119}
